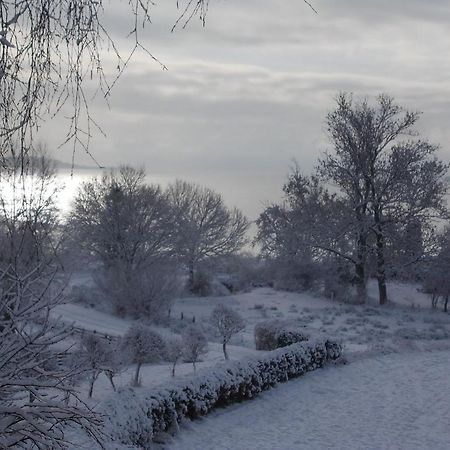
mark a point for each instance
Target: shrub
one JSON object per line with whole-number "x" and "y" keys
{"x": 135, "y": 417}
{"x": 287, "y": 337}
{"x": 266, "y": 334}
{"x": 272, "y": 334}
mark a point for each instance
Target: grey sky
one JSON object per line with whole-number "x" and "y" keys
{"x": 249, "y": 93}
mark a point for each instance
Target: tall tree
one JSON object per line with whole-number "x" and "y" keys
{"x": 120, "y": 218}
{"x": 205, "y": 227}
{"x": 128, "y": 226}
{"x": 386, "y": 180}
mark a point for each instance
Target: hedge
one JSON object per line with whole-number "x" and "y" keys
{"x": 134, "y": 416}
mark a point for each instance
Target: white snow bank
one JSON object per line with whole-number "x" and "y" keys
{"x": 392, "y": 402}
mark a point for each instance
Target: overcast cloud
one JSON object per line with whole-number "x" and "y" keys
{"x": 246, "y": 95}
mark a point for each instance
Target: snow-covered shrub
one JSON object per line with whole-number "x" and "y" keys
{"x": 146, "y": 292}
{"x": 272, "y": 334}
{"x": 226, "y": 322}
{"x": 206, "y": 284}
{"x": 133, "y": 418}
{"x": 289, "y": 337}
{"x": 266, "y": 334}
{"x": 143, "y": 345}
{"x": 201, "y": 284}
{"x": 195, "y": 343}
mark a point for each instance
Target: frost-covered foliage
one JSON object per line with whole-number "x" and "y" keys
{"x": 143, "y": 345}
{"x": 127, "y": 226}
{"x": 272, "y": 334}
{"x": 143, "y": 293}
{"x": 205, "y": 227}
{"x": 36, "y": 398}
{"x": 387, "y": 193}
{"x": 226, "y": 322}
{"x": 135, "y": 417}
{"x": 99, "y": 355}
{"x": 436, "y": 277}
{"x": 174, "y": 351}
{"x": 195, "y": 343}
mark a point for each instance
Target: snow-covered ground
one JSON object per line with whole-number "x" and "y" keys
{"x": 388, "y": 396}
{"x": 389, "y": 402}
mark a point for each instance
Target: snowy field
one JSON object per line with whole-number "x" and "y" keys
{"x": 390, "y": 395}
{"x": 389, "y": 402}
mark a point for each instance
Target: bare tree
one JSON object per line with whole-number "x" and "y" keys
{"x": 174, "y": 351}
{"x": 436, "y": 280}
{"x": 306, "y": 234}
{"x": 38, "y": 401}
{"x": 120, "y": 218}
{"x": 205, "y": 226}
{"x": 144, "y": 345}
{"x": 385, "y": 180}
{"x": 226, "y": 322}
{"x": 195, "y": 343}
{"x": 52, "y": 51}
{"x": 99, "y": 355}
{"x": 128, "y": 225}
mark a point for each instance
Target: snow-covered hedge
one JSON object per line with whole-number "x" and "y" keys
{"x": 133, "y": 416}
{"x": 275, "y": 333}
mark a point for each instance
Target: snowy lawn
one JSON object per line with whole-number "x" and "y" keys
{"x": 389, "y": 402}
{"x": 395, "y": 401}
{"x": 404, "y": 324}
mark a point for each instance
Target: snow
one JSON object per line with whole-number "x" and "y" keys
{"x": 388, "y": 402}
{"x": 387, "y": 397}
{"x": 92, "y": 320}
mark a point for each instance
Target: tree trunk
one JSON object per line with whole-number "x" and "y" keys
{"x": 381, "y": 273}
{"x": 110, "y": 378}
{"x": 193, "y": 363}
{"x": 446, "y": 303}
{"x": 136, "y": 375}
{"x": 91, "y": 385}
{"x": 191, "y": 275}
{"x": 360, "y": 270}
{"x": 224, "y": 348}
{"x": 381, "y": 263}
{"x": 173, "y": 368}
{"x": 361, "y": 289}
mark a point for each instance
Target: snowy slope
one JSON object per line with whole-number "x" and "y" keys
{"x": 390, "y": 402}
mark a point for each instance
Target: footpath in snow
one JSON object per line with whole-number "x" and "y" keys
{"x": 392, "y": 402}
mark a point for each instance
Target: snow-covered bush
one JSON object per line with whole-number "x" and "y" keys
{"x": 143, "y": 345}
{"x": 97, "y": 355}
{"x": 202, "y": 284}
{"x": 195, "y": 343}
{"x": 226, "y": 322}
{"x": 272, "y": 334}
{"x": 135, "y": 417}
{"x": 266, "y": 334}
{"x": 144, "y": 292}
{"x": 289, "y": 337}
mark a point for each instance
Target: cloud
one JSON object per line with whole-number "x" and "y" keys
{"x": 248, "y": 93}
